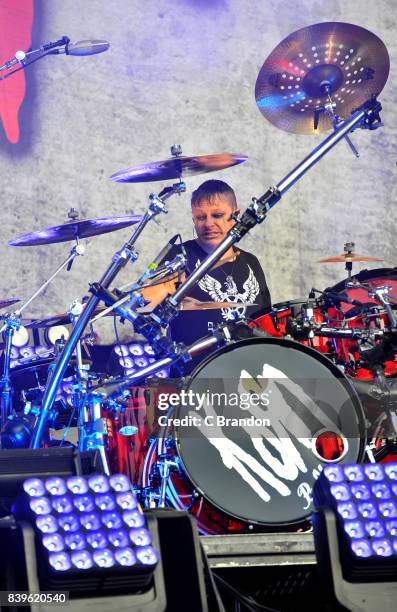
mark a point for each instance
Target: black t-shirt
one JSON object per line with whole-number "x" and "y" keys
{"x": 241, "y": 280}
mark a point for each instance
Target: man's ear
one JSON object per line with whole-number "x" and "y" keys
{"x": 236, "y": 211}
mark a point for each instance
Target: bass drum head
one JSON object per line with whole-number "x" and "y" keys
{"x": 286, "y": 404}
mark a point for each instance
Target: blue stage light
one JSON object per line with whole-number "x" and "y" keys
{"x": 391, "y": 470}
{"x": 60, "y": 561}
{"x": 374, "y": 471}
{"x": 120, "y": 483}
{"x": 375, "y": 529}
{"x": 382, "y": 548}
{"x": 353, "y": 473}
{"x": 140, "y": 536}
{"x": 133, "y": 518}
{"x": 90, "y": 521}
{"x": 355, "y": 529}
{"x": 62, "y": 504}
{"x": 340, "y": 491}
{"x": 104, "y": 558}
{"x": 118, "y": 537}
{"x": 391, "y": 527}
{"x": 77, "y": 484}
{"x": 127, "y": 501}
{"x": 47, "y": 523}
{"x": 97, "y": 539}
{"x": 125, "y": 556}
{"x": 69, "y": 522}
{"x": 82, "y": 560}
{"x": 98, "y": 483}
{"x": 147, "y": 555}
{"x": 334, "y": 473}
{"x": 34, "y": 487}
{"x": 54, "y": 542}
{"x": 55, "y": 486}
{"x": 361, "y": 491}
{"x": 105, "y": 501}
{"x": 75, "y": 541}
{"x": 361, "y": 548}
{"x": 112, "y": 520}
{"x": 40, "y": 505}
{"x": 381, "y": 491}
{"x": 84, "y": 503}
{"x": 368, "y": 510}
{"x": 388, "y": 509}
{"x": 347, "y": 510}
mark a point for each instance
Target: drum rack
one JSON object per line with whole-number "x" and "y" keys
{"x": 259, "y": 550}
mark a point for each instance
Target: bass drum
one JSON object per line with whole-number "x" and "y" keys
{"x": 264, "y": 416}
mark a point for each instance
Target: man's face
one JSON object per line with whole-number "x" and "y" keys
{"x": 211, "y": 218}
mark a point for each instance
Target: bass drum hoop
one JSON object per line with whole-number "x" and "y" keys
{"x": 316, "y": 355}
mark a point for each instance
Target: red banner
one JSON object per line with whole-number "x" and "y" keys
{"x": 16, "y": 20}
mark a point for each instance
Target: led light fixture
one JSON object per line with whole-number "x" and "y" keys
{"x": 355, "y": 529}
{"x": 88, "y": 525}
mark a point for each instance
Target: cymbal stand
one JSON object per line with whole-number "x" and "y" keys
{"x": 329, "y": 109}
{"x": 12, "y": 322}
{"x": 349, "y": 249}
{"x": 120, "y": 259}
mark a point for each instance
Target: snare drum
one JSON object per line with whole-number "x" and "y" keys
{"x": 273, "y": 413}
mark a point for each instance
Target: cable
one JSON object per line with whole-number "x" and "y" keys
{"x": 246, "y": 600}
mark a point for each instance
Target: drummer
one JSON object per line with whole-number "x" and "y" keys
{"x": 237, "y": 277}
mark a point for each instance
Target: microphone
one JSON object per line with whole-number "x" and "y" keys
{"x": 83, "y": 47}
{"x": 163, "y": 253}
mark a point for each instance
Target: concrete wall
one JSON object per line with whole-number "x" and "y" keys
{"x": 184, "y": 71}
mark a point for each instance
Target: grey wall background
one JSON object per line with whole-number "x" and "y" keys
{"x": 184, "y": 71}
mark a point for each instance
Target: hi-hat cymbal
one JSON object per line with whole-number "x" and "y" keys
{"x": 352, "y": 62}
{"x": 348, "y": 257}
{"x": 81, "y": 228}
{"x": 10, "y": 302}
{"x": 177, "y": 167}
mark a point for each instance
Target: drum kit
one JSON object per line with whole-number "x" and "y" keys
{"x": 317, "y": 375}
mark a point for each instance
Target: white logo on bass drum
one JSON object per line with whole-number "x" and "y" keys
{"x": 276, "y": 459}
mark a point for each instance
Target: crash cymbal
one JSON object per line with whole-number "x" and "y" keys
{"x": 188, "y": 304}
{"x": 177, "y": 167}
{"x": 81, "y": 228}
{"x": 352, "y": 61}
{"x": 348, "y": 257}
{"x": 192, "y": 304}
{"x": 10, "y": 302}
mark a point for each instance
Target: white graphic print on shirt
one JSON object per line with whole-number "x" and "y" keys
{"x": 213, "y": 287}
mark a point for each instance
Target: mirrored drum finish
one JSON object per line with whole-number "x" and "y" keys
{"x": 273, "y": 413}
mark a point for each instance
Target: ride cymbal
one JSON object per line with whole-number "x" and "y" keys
{"x": 350, "y": 62}
{"x": 177, "y": 167}
{"x": 348, "y": 257}
{"x": 76, "y": 229}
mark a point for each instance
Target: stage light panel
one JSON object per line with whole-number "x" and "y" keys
{"x": 87, "y": 524}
